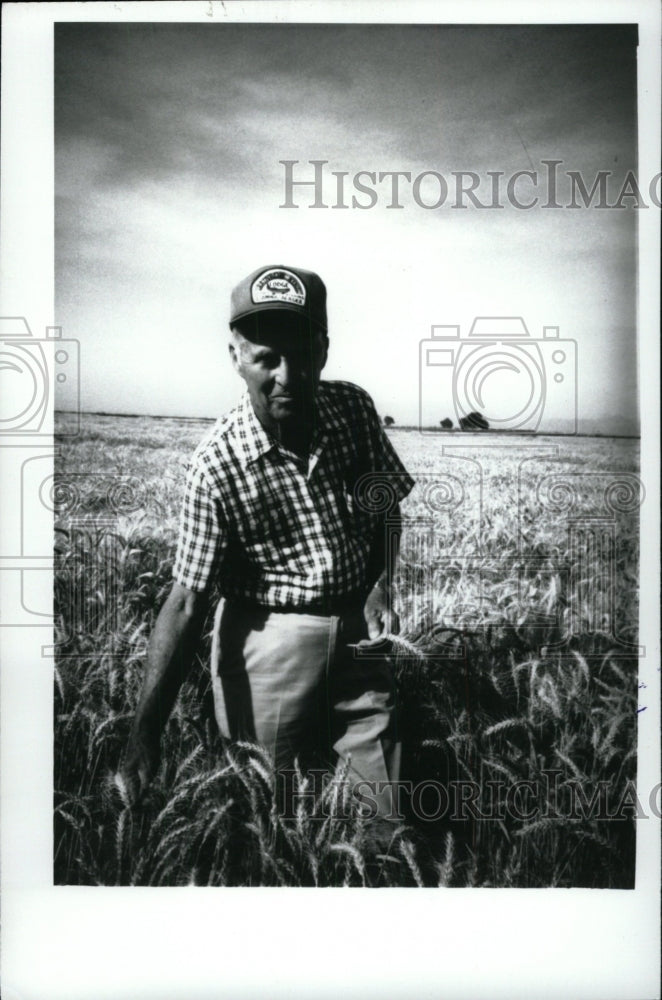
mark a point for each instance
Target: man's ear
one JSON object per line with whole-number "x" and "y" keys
{"x": 325, "y": 350}
{"x": 234, "y": 355}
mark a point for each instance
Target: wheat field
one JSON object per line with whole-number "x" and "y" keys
{"x": 516, "y": 671}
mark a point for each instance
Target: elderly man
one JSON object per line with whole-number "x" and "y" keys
{"x": 270, "y": 511}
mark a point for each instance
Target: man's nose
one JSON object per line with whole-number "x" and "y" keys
{"x": 283, "y": 372}
{"x": 290, "y": 371}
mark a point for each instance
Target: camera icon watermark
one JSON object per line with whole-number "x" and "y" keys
{"x": 37, "y": 375}
{"x": 417, "y": 546}
{"x": 90, "y": 551}
{"x": 64, "y": 550}
{"x": 595, "y": 569}
{"x": 497, "y": 377}
{"x": 26, "y": 560}
{"x": 495, "y": 540}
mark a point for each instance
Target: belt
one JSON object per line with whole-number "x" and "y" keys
{"x": 334, "y": 606}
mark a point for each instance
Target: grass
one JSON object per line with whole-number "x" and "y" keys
{"x": 515, "y": 663}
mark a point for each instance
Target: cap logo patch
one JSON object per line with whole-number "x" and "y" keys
{"x": 278, "y": 285}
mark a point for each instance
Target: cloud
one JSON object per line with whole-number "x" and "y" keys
{"x": 168, "y": 183}
{"x": 173, "y": 100}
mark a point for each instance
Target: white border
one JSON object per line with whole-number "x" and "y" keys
{"x": 114, "y": 943}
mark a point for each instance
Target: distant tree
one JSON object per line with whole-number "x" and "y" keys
{"x": 446, "y": 423}
{"x": 474, "y": 422}
{"x": 388, "y": 421}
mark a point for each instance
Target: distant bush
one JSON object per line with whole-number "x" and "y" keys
{"x": 474, "y": 422}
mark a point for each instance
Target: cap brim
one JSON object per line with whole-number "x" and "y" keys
{"x": 265, "y": 307}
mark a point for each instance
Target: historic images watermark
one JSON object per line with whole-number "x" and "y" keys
{"x": 91, "y": 557}
{"x": 457, "y": 369}
{"x": 549, "y": 188}
{"x": 31, "y": 367}
{"x": 551, "y": 797}
{"x": 568, "y": 587}
{"x": 34, "y": 371}
{"x": 564, "y": 557}
{"x": 49, "y": 508}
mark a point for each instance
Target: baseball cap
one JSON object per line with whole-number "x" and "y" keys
{"x": 278, "y": 287}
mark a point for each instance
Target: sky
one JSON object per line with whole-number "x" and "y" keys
{"x": 169, "y": 189}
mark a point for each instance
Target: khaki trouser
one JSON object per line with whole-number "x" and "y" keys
{"x": 289, "y": 682}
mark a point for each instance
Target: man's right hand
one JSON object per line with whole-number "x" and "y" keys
{"x": 137, "y": 769}
{"x": 169, "y": 658}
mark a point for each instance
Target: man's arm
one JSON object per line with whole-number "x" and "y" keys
{"x": 169, "y": 659}
{"x": 379, "y": 613}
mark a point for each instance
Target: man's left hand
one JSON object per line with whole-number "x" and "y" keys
{"x": 378, "y": 612}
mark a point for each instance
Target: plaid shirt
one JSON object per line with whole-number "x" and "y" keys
{"x": 278, "y": 533}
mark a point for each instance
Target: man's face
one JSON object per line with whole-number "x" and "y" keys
{"x": 281, "y": 360}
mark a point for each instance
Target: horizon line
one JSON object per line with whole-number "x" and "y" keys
{"x": 402, "y": 427}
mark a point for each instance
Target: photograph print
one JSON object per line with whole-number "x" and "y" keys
{"x": 347, "y": 489}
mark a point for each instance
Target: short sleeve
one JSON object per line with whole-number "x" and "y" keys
{"x": 202, "y": 534}
{"x": 384, "y": 459}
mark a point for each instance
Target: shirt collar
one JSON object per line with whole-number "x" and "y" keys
{"x": 251, "y": 438}
{"x": 325, "y": 414}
